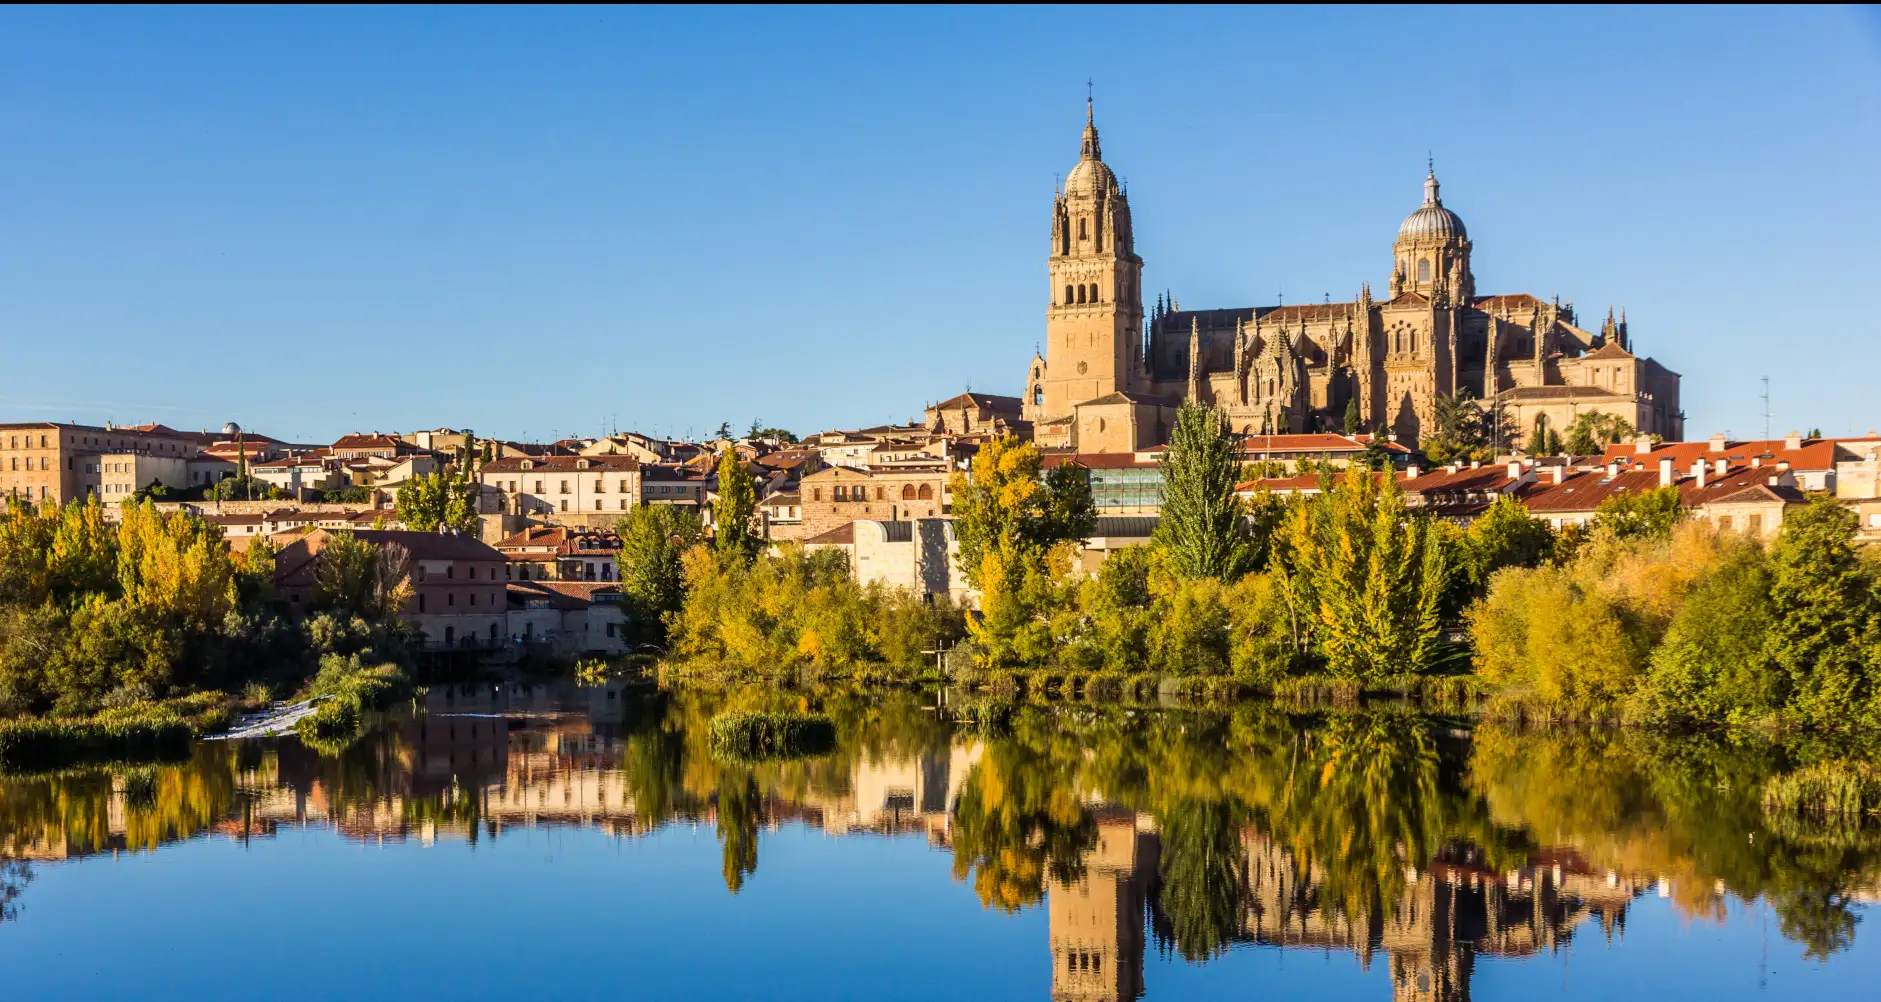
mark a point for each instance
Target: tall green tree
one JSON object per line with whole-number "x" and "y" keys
{"x": 1203, "y": 529}
{"x": 430, "y": 500}
{"x": 1823, "y": 617}
{"x": 1371, "y": 575}
{"x": 653, "y": 540}
{"x": 1353, "y": 421}
{"x": 735, "y": 510}
{"x": 1543, "y": 440}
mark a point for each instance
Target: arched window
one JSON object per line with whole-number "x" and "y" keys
{"x": 1067, "y": 295}
{"x": 1038, "y": 396}
{"x": 1094, "y": 298}
{"x": 1084, "y": 232}
{"x": 907, "y": 492}
{"x": 1080, "y": 293}
{"x": 926, "y": 493}
{"x": 1423, "y": 269}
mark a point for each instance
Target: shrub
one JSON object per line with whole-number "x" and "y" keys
{"x": 752, "y": 736}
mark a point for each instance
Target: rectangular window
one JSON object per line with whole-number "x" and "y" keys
{"x": 538, "y": 487}
{"x": 623, "y": 504}
{"x": 600, "y": 487}
{"x": 623, "y": 487}
{"x": 564, "y": 487}
{"x": 564, "y": 505}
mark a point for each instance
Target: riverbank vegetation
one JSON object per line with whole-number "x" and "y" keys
{"x": 1641, "y": 616}
{"x": 153, "y": 618}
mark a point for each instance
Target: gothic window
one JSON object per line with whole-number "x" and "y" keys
{"x": 1084, "y": 232}
{"x": 1413, "y": 342}
{"x": 1080, "y": 293}
{"x": 1094, "y": 298}
{"x": 1067, "y": 295}
{"x": 1423, "y": 269}
{"x": 1038, "y": 396}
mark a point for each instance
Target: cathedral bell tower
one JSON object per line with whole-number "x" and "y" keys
{"x": 1093, "y": 327}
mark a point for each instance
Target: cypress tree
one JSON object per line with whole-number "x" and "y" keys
{"x": 737, "y": 506}
{"x": 1352, "y": 420}
{"x": 1203, "y": 528}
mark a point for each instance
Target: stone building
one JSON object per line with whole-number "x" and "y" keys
{"x": 839, "y": 495}
{"x": 44, "y": 461}
{"x": 1110, "y": 376}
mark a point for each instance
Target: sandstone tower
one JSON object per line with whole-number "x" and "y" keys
{"x": 1093, "y": 327}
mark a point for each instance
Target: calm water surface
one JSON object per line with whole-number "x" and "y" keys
{"x": 555, "y": 842}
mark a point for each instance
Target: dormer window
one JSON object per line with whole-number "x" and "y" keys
{"x": 528, "y": 465}
{"x": 581, "y": 464}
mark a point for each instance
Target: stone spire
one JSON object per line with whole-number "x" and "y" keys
{"x": 1091, "y": 150}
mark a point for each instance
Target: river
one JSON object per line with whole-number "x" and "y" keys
{"x": 553, "y": 841}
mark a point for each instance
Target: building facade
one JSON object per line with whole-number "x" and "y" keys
{"x": 839, "y": 495}
{"x": 1110, "y": 375}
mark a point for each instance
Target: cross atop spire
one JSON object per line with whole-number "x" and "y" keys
{"x": 1091, "y": 150}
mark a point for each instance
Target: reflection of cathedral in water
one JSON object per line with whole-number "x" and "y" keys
{"x": 1431, "y": 934}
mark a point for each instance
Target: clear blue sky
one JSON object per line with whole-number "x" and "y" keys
{"x": 535, "y": 222}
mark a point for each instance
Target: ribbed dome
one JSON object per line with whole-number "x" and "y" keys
{"x": 1090, "y": 177}
{"x": 1432, "y": 219}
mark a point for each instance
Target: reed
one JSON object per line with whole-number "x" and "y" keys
{"x": 1844, "y": 788}
{"x": 35, "y": 745}
{"x": 751, "y": 736}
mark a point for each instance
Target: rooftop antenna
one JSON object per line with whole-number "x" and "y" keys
{"x": 1766, "y": 408}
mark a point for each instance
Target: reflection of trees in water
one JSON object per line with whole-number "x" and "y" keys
{"x": 1690, "y": 809}
{"x": 1019, "y": 817}
{"x": 1201, "y": 903}
{"x": 739, "y": 808}
{"x": 15, "y": 874}
{"x": 1357, "y": 807}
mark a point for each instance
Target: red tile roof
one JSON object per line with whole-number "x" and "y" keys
{"x": 563, "y": 464}
{"x": 1815, "y": 453}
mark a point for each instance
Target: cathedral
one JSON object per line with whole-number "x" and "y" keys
{"x": 1111, "y": 376}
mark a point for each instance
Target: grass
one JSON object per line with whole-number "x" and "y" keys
{"x": 752, "y": 737}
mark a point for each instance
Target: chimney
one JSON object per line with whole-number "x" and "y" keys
{"x": 1794, "y": 440}
{"x": 1556, "y": 474}
{"x": 1476, "y": 464}
{"x": 1665, "y": 473}
{"x": 1717, "y": 443}
{"x": 1642, "y": 444}
{"x": 1776, "y": 481}
{"x": 1613, "y": 469}
{"x": 1698, "y": 472}
{"x": 1515, "y": 471}
{"x": 1721, "y": 468}
{"x": 1756, "y": 461}
{"x": 1783, "y": 464}
{"x": 1411, "y": 472}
